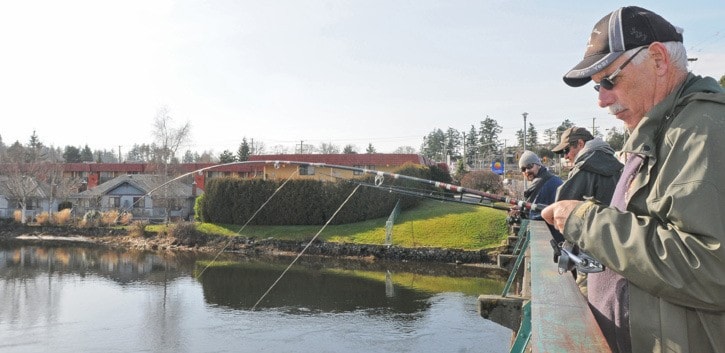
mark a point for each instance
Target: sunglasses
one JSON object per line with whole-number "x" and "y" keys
{"x": 528, "y": 166}
{"x": 608, "y": 82}
{"x": 566, "y": 149}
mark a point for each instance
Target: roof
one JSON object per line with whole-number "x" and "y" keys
{"x": 352, "y": 159}
{"x": 146, "y": 183}
{"x": 42, "y": 190}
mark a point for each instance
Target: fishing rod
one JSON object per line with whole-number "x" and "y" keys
{"x": 477, "y": 201}
{"x": 467, "y": 199}
{"x": 380, "y": 178}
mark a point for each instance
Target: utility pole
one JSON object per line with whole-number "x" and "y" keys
{"x": 119, "y": 154}
{"x": 301, "y": 141}
{"x": 593, "y": 126}
{"x": 525, "y": 115}
{"x": 464, "y": 145}
{"x": 503, "y": 157}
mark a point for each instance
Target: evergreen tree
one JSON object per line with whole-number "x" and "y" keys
{"x": 615, "y": 138}
{"x": 227, "y": 157}
{"x": 453, "y": 142}
{"x": 488, "y": 137}
{"x": 189, "y": 157}
{"x": 72, "y": 154}
{"x": 86, "y": 154}
{"x": 370, "y": 149}
{"x": 471, "y": 145}
{"x": 533, "y": 137}
{"x": 16, "y": 152}
{"x": 243, "y": 152}
{"x": 560, "y": 130}
{"x": 349, "y": 149}
{"x": 433, "y": 144}
{"x": 34, "y": 149}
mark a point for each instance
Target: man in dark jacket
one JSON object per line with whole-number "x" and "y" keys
{"x": 595, "y": 174}
{"x": 596, "y": 169}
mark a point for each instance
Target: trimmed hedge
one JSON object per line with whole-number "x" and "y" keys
{"x": 232, "y": 200}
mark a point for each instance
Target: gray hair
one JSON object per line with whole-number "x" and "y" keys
{"x": 676, "y": 51}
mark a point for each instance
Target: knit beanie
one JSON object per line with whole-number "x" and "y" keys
{"x": 527, "y": 158}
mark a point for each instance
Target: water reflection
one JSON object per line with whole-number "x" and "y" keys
{"x": 85, "y": 298}
{"x": 241, "y": 285}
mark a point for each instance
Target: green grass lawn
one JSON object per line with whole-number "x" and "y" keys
{"x": 431, "y": 224}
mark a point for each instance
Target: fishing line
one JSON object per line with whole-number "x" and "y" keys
{"x": 239, "y": 232}
{"x": 305, "y": 248}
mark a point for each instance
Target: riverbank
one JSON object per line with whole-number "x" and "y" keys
{"x": 154, "y": 241}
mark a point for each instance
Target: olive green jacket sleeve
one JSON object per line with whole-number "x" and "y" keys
{"x": 670, "y": 241}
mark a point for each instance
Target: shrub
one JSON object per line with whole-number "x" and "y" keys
{"x": 185, "y": 233}
{"x": 125, "y": 218}
{"x": 483, "y": 180}
{"x": 91, "y": 219}
{"x": 138, "y": 228}
{"x": 62, "y": 217}
{"x": 18, "y": 216}
{"x": 42, "y": 218}
{"x": 109, "y": 217}
{"x": 199, "y": 208}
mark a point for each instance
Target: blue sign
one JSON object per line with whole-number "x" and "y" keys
{"x": 497, "y": 167}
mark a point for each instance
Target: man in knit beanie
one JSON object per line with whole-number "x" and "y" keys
{"x": 542, "y": 189}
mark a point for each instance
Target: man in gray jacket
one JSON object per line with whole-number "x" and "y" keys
{"x": 596, "y": 169}
{"x": 664, "y": 233}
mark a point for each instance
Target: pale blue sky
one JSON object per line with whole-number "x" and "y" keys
{"x": 343, "y": 72}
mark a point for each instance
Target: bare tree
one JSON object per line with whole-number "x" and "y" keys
{"x": 21, "y": 184}
{"x": 258, "y": 147}
{"x": 405, "y": 150}
{"x": 168, "y": 140}
{"x": 280, "y": 149}
{"x": 328, "y": 148}
{"x": 60, "y": 187}
{"x": 167, "y": 137}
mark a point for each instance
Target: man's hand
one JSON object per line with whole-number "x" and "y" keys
{"x": 557, "y": 213}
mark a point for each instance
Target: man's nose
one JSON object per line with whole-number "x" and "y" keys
{"x": 606, "y": 98}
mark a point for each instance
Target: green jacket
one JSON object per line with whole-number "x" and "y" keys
{"x": 670, "y": 244}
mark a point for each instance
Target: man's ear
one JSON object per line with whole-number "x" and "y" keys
{"x": 658, "y": 54}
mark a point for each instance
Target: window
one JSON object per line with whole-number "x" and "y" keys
{"x": 114, "y": 202}
{"x": 139, "y": 202}
{"x": 307, "y": 170}
{"x": 30, "y": 204}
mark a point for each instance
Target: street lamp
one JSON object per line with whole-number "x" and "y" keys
{"x": 525, "y": 115}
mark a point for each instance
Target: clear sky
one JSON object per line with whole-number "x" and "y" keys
{"x": 342, "y": 72}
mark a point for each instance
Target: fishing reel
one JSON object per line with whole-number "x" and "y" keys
{"x": 569, "y": 257}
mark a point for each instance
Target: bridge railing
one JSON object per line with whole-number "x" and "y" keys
{"x": 561, "y": 320}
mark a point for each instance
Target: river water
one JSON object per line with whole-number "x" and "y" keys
{"x": 90, "y": 299}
